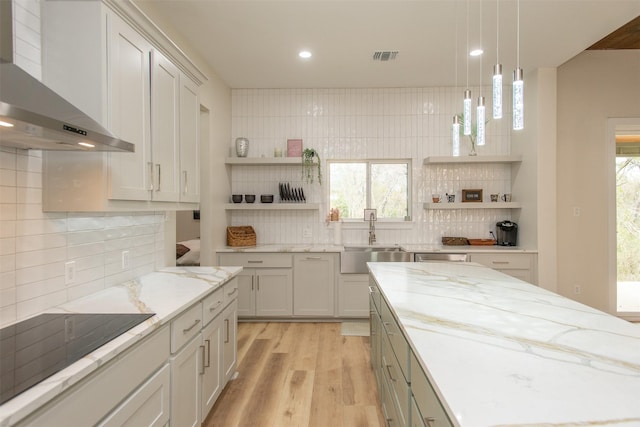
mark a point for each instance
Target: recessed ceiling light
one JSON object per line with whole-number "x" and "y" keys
{"x": 305, "y": 54}
{"x": 476, "y": 52}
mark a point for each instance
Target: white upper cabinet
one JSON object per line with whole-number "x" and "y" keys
{"x": 131, "y": 82}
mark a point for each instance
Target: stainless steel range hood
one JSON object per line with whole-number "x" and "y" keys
{"x": 32, "y": 116}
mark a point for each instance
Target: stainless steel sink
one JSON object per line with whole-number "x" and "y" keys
{"x": 354, "y": 259}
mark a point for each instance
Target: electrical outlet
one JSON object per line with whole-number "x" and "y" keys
{"x": 576, "y": 211}
{"x": 69, "y": 272}
{"x": 577, "y": 289}
{"x": 126, "y": 260}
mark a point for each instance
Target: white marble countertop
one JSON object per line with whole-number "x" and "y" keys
{"x": 502, "y": 352}
{"x": 294, "y": 248}
{"x": 166, "y": 293}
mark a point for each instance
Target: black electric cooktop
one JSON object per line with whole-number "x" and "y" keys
{"x": 37, "y": 348}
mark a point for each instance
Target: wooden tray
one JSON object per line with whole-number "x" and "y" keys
{"x": 482, "y": 242}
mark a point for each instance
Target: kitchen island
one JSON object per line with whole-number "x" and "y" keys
{"x": 498, "y": 351}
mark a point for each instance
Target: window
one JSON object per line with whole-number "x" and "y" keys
{"x": 384, "y": 185}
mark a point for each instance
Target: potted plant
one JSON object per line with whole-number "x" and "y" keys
{"x": 472, "y": 136}
{"x": 310, "y": 160}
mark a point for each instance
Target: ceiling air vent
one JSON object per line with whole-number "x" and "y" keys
{"x": 385, "y": 55}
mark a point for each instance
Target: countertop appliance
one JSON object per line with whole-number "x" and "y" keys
{"x": 32, "y": 116}
{"x": 506, "y": 233}
{"x": 440, "y": 256}
{"x": 36, "y": 348}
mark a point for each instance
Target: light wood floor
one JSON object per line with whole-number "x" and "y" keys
{"x": 299, "y": 374}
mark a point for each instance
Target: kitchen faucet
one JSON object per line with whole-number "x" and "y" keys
{"x": 372, "y": 228}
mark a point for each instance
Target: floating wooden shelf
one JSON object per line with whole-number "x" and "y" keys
{"x": 471, "y": 159}
{"x": 471, "y": 205}
{"x": 263, "y": 161}
{"x": 271, "y": 206}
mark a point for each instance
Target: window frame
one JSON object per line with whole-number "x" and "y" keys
{"x": 368, "y": 163}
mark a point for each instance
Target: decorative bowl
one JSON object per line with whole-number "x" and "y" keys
{"x": 249, "y": 198}
{"x": 266, "y": 198}
{"x": 236, "y": 198}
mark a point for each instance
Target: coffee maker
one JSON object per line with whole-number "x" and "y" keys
{"x": 507, "y": 233}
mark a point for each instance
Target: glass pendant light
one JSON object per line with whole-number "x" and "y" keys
{"x": 518, "y": 84}
{"x": 480, "y": 117}
{"x": 455, "y": 137}
{"x": 497, "y": 71}
{"x": 466, "y": 106}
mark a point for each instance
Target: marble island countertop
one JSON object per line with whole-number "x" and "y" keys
{"x": 418, "y": 247}
{"x": 502, "y": 352}
{"x": 166, "y": 293}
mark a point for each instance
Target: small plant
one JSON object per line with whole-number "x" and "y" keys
{"x": 309, "y": 162}
{"x": 472, "y": 136}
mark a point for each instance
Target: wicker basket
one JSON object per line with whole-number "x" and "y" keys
{"x": 241, "y": 236}
{"x": 455, "y": 241}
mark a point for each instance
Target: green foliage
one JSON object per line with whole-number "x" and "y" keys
{"x": 628, "y": 218}
{"x": 309, "y": 163}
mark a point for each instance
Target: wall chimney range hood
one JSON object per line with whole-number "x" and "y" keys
{"x": 32, "y": 116}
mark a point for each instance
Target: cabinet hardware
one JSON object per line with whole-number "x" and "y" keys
{"x": 226, "y": 338}
{"x": 186, "y": 186}
{"x": 390, "y": 374}
{"x": 150, "y": 164}
{"x": 313, "y": 258}
{"x": 254, "y": 262}
{"x": 208, "y": 364}
{"x": 202, "y": 359}
{"x": 389, "y": 421}
{"x": 258, "y": 281}
{"x": 184, "y": 331}
{"x": 500, "y": 262}
{"x": 386, "y": 326}
{"x": 428, "y": 421}
{"x": 252, "y": 283}
{"x": 232, "y": 292}
{"x": 213, "y": 307}
{"x": 159, "y": 180}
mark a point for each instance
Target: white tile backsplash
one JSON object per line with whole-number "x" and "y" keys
{"x": 391, "y": 123}
{"x": 35, "y": 245}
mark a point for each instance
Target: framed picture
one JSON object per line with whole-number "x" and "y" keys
{"x": 472, "y": 195}
{"x": 370, "y": 215}
{"x": 294, "y": 148}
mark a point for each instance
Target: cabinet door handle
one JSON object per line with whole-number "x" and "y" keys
{"x": 213, "y": 307}
{"x": 186, "y": 186}
{"x": 208, "y": 353}
{"x": 151, "y": 180}
{"x": 159, "y": 180}
{"x": 255, "y": 261}
{"x": 390, "y": 374}
{"x": 252, "y": 283}
{"x": 232, "y": 292}
{"x": 202, "y": 359}
{"x": 184, "y": 331}
{"x": 429, "y": 420}
{"x": 226, "y": 325}
{"x": 258, "y": 281}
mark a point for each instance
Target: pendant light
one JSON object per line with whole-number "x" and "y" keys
{"x": 518, "y": 84}
{"x": 466, "y": 106}
{"x": 455, "y": 126}
{"x": 480, "y": 113}
{"x": 497, "y": 71}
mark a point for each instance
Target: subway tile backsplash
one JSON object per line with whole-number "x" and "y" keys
{"x": 400, "y": 123}
{"x": 36, "y": 245}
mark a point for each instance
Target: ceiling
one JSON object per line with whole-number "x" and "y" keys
{"x": 254, "y": 44}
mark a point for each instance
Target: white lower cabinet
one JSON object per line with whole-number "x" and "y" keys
{"x": 353, "y": 295}
{"x": 519, "y": 265}
{"x": 314, "y": 284}
{"x": 229, "y": 340}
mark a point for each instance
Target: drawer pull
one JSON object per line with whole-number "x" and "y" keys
{"x": 386, "y": 326}
{"x": 213, "y": 307}
{"x": 232, "y": 292}
{"x": 429, "y": 420}
{"x": 226, "y": 338}
{"x": 254, "y": 262}
{"x": 390, "y": 374}
{"x": 313, "y": 258}
{"x": 371, "y": 290}
{"x": 184, "y": 331}
{"x": 500, "y": 262}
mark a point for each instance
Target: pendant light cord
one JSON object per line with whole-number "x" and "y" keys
{"x": 518, "y": 35}
{"x": 497, "y": 31}
{"x": 467, "y": 51}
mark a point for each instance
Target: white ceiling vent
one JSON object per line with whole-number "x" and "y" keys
{"x": 385, "y": 55}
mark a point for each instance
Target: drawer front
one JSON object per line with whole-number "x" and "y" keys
{"x": 397, "y": 384}
{"x": 504, "y": 261}
{"x": 397, "y": 339}
{"x": 212, "y": 305}
{"x": 256, "y": 260}
{"x": 426, "y": 399}
{"x": 185, "y": 327}
{"x": 374, "y": 293}
{"x": 230, "y": 291}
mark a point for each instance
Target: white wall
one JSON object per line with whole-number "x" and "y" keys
{"x": 403, "y": 123}
{"x": 592, "y": 87}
